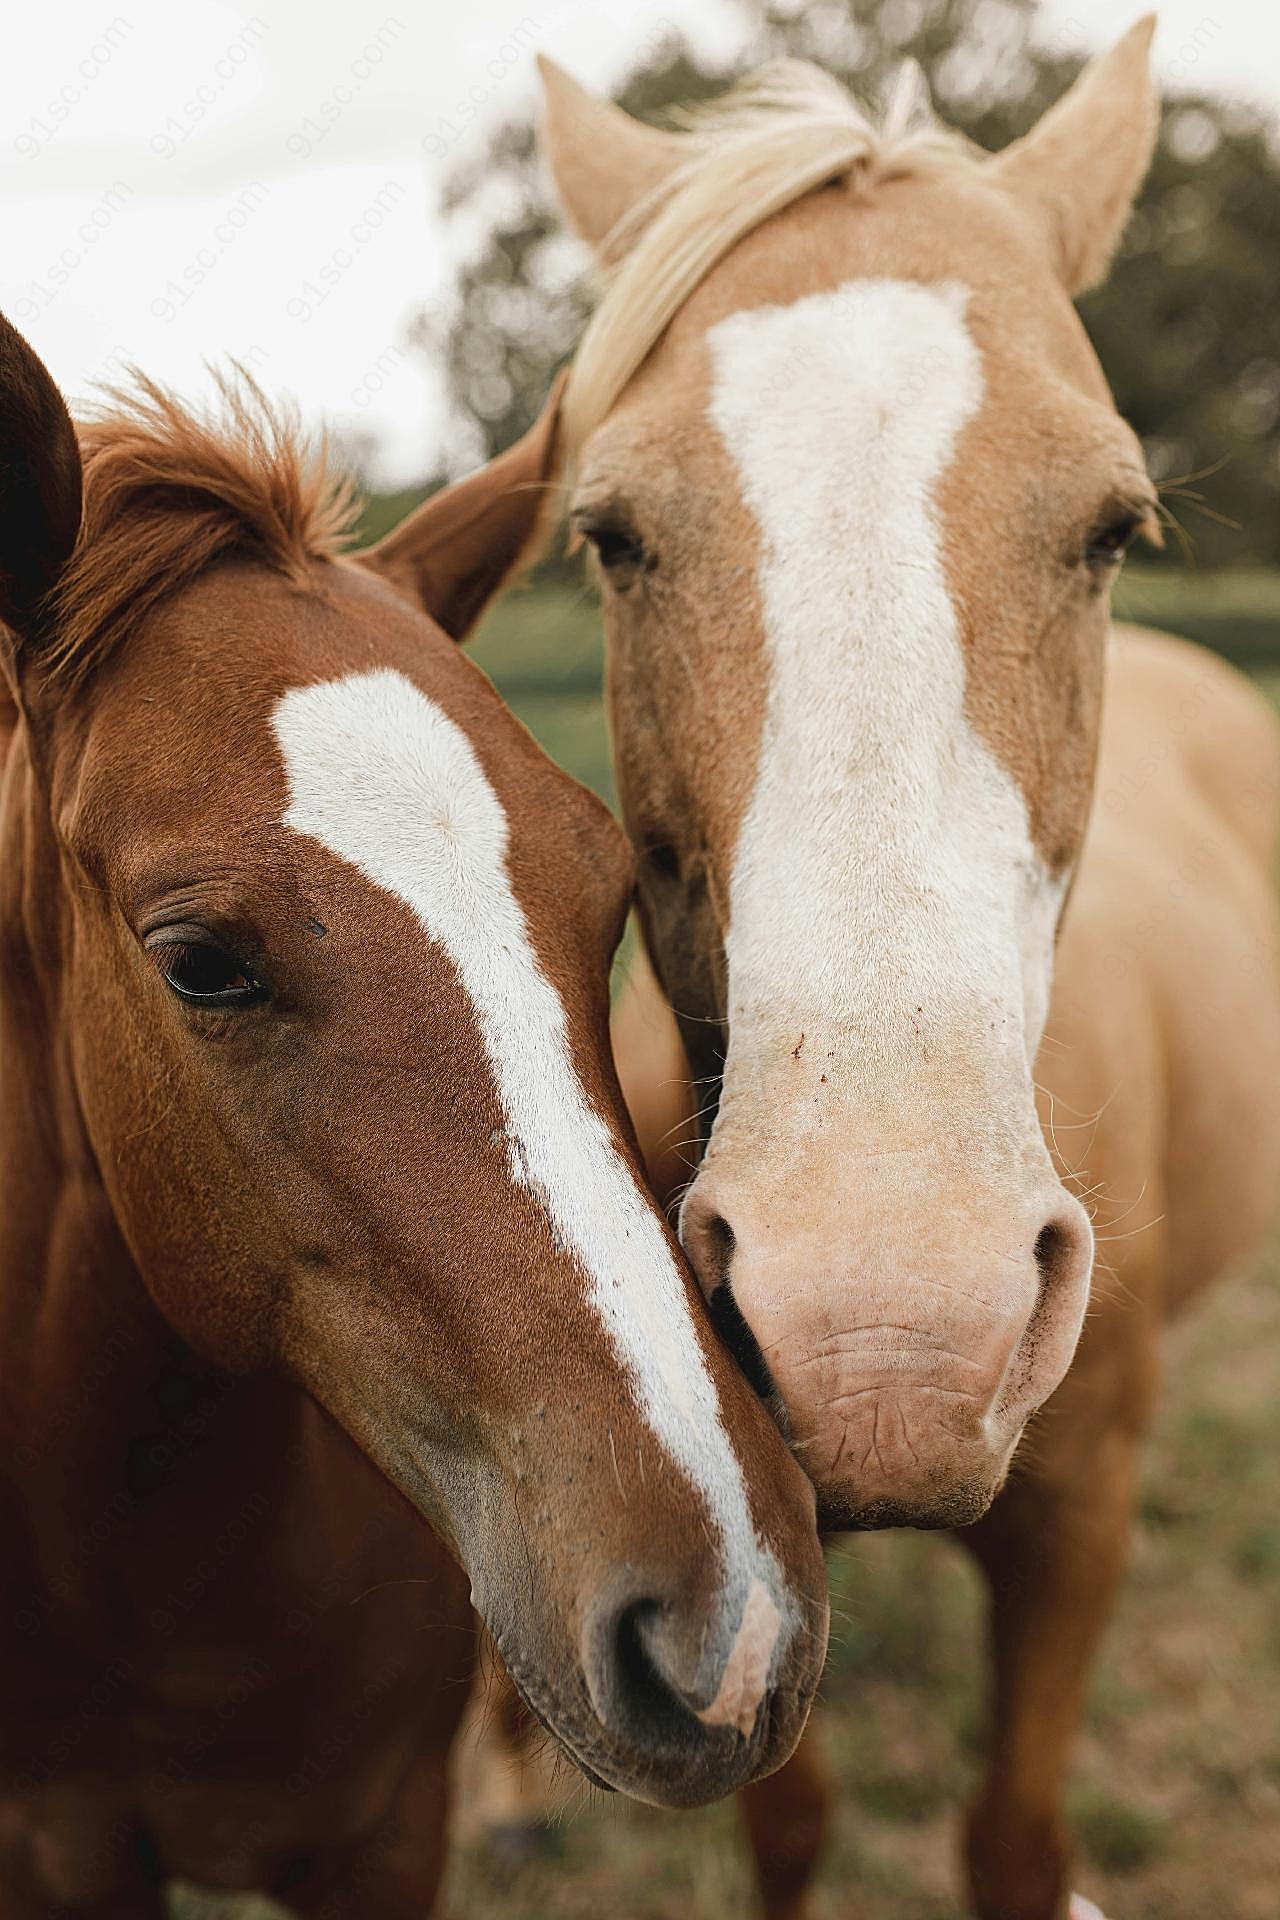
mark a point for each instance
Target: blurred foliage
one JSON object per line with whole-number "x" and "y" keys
{"x": 1114, "y": 1834}
{"x": 1188, "y": 327}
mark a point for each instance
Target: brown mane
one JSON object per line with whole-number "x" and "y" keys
{"x": 168, "y": 492}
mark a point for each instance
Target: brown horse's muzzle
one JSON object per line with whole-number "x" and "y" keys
{"x": 680, "y": 1679}
{"x": 665, "y": 1620}
{"x": 699, "y": 1727}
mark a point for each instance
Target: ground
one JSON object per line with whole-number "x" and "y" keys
{"x": 1176, "y": 1799}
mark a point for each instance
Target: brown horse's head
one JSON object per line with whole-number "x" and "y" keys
{"x": 323, "y": 941}
{"x": 858, "y": 492}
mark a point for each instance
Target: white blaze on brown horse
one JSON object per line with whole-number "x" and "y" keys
{"x": 858, "y": 492}
{"x": 314, "y": 1163}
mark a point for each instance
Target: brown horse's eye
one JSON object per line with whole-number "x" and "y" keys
{"x": 206, "y": 975}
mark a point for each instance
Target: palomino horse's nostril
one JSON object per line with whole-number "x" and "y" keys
{"x": 1048, "y": 1243}
{"x": 1063, "y": 1245}
{"x": 743, "y": 1347}
{"x": 708, "y": 1239}
{"x": 709, "y": 1242}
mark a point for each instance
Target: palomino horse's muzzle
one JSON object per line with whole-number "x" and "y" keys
{"x": 907, "y": 1360}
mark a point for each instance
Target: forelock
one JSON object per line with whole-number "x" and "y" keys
{"x": 776, "y": 136}
{"x": 168, "y": 492}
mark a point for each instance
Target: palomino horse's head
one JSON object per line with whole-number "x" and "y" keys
{"x": 858, "y": 490}
{"x": 322, "y": 940}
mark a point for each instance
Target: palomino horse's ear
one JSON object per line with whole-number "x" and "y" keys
{"x": 454, "y": 552}
{"x": 602, "y": 161}
{"x": 1081, "y": 166}
{"x": 39, "y": 483}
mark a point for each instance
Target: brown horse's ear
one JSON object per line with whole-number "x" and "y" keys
{"x": 455, "y": 551}
{"x": 1080, "y": 167}
{"x": 39, "y": 484}
{"x": 602, "y": 161}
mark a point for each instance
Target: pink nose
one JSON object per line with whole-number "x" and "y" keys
{"x": 903, "y": 1364}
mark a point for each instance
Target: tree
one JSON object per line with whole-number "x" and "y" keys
{"x": 1188, "y": 326}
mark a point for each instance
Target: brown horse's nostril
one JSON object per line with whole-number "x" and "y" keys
{"x": 628, "y": 1660}
{"x": 649, "y": 1665}
{"x": 646, "y": 1705}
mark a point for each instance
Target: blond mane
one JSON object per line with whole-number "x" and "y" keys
{"x": 168, "y": 492}
{"x": 779, "y": 133}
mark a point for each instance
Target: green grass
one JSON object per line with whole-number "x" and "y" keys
{"x": 1258, "y": 1554}
{"x": 1115, "y": 1835}
{"x": 541, "y": 647}
{"x": 1237, "y": 612}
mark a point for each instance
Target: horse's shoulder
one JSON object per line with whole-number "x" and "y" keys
{"x": 1165, "y": 1004}
{"x": 1184, "y": 729}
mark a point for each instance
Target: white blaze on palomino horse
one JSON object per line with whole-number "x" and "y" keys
{"x": 858, "y": 491}
{"x": 329, "y": 1279}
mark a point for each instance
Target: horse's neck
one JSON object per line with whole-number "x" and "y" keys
{"x": 99, "y": 1399}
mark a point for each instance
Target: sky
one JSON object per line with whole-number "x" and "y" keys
{"x": 183, "y": 182}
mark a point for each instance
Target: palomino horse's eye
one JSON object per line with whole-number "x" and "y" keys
{"x": 206, "y": 975}
{"x": 1108, "y": 546}
{"x": 617, "y": 546}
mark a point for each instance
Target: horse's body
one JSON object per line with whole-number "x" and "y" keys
{"x": 1164, "y": 1005}
{"x": 305, "y": 1323}
{"x": 233, "y": 1654}
{"x": 1159, "y": 1075}
{"x": 231, "y": 1651}
{"x": 858, "y": 491}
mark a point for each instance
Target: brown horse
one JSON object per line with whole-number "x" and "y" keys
{"x": 858, "y": 492}
{"x": 326, "y": 1265}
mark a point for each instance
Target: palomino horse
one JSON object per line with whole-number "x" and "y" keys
{"x": 325, "y": 1253}
{"x": 858, "y": 492}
